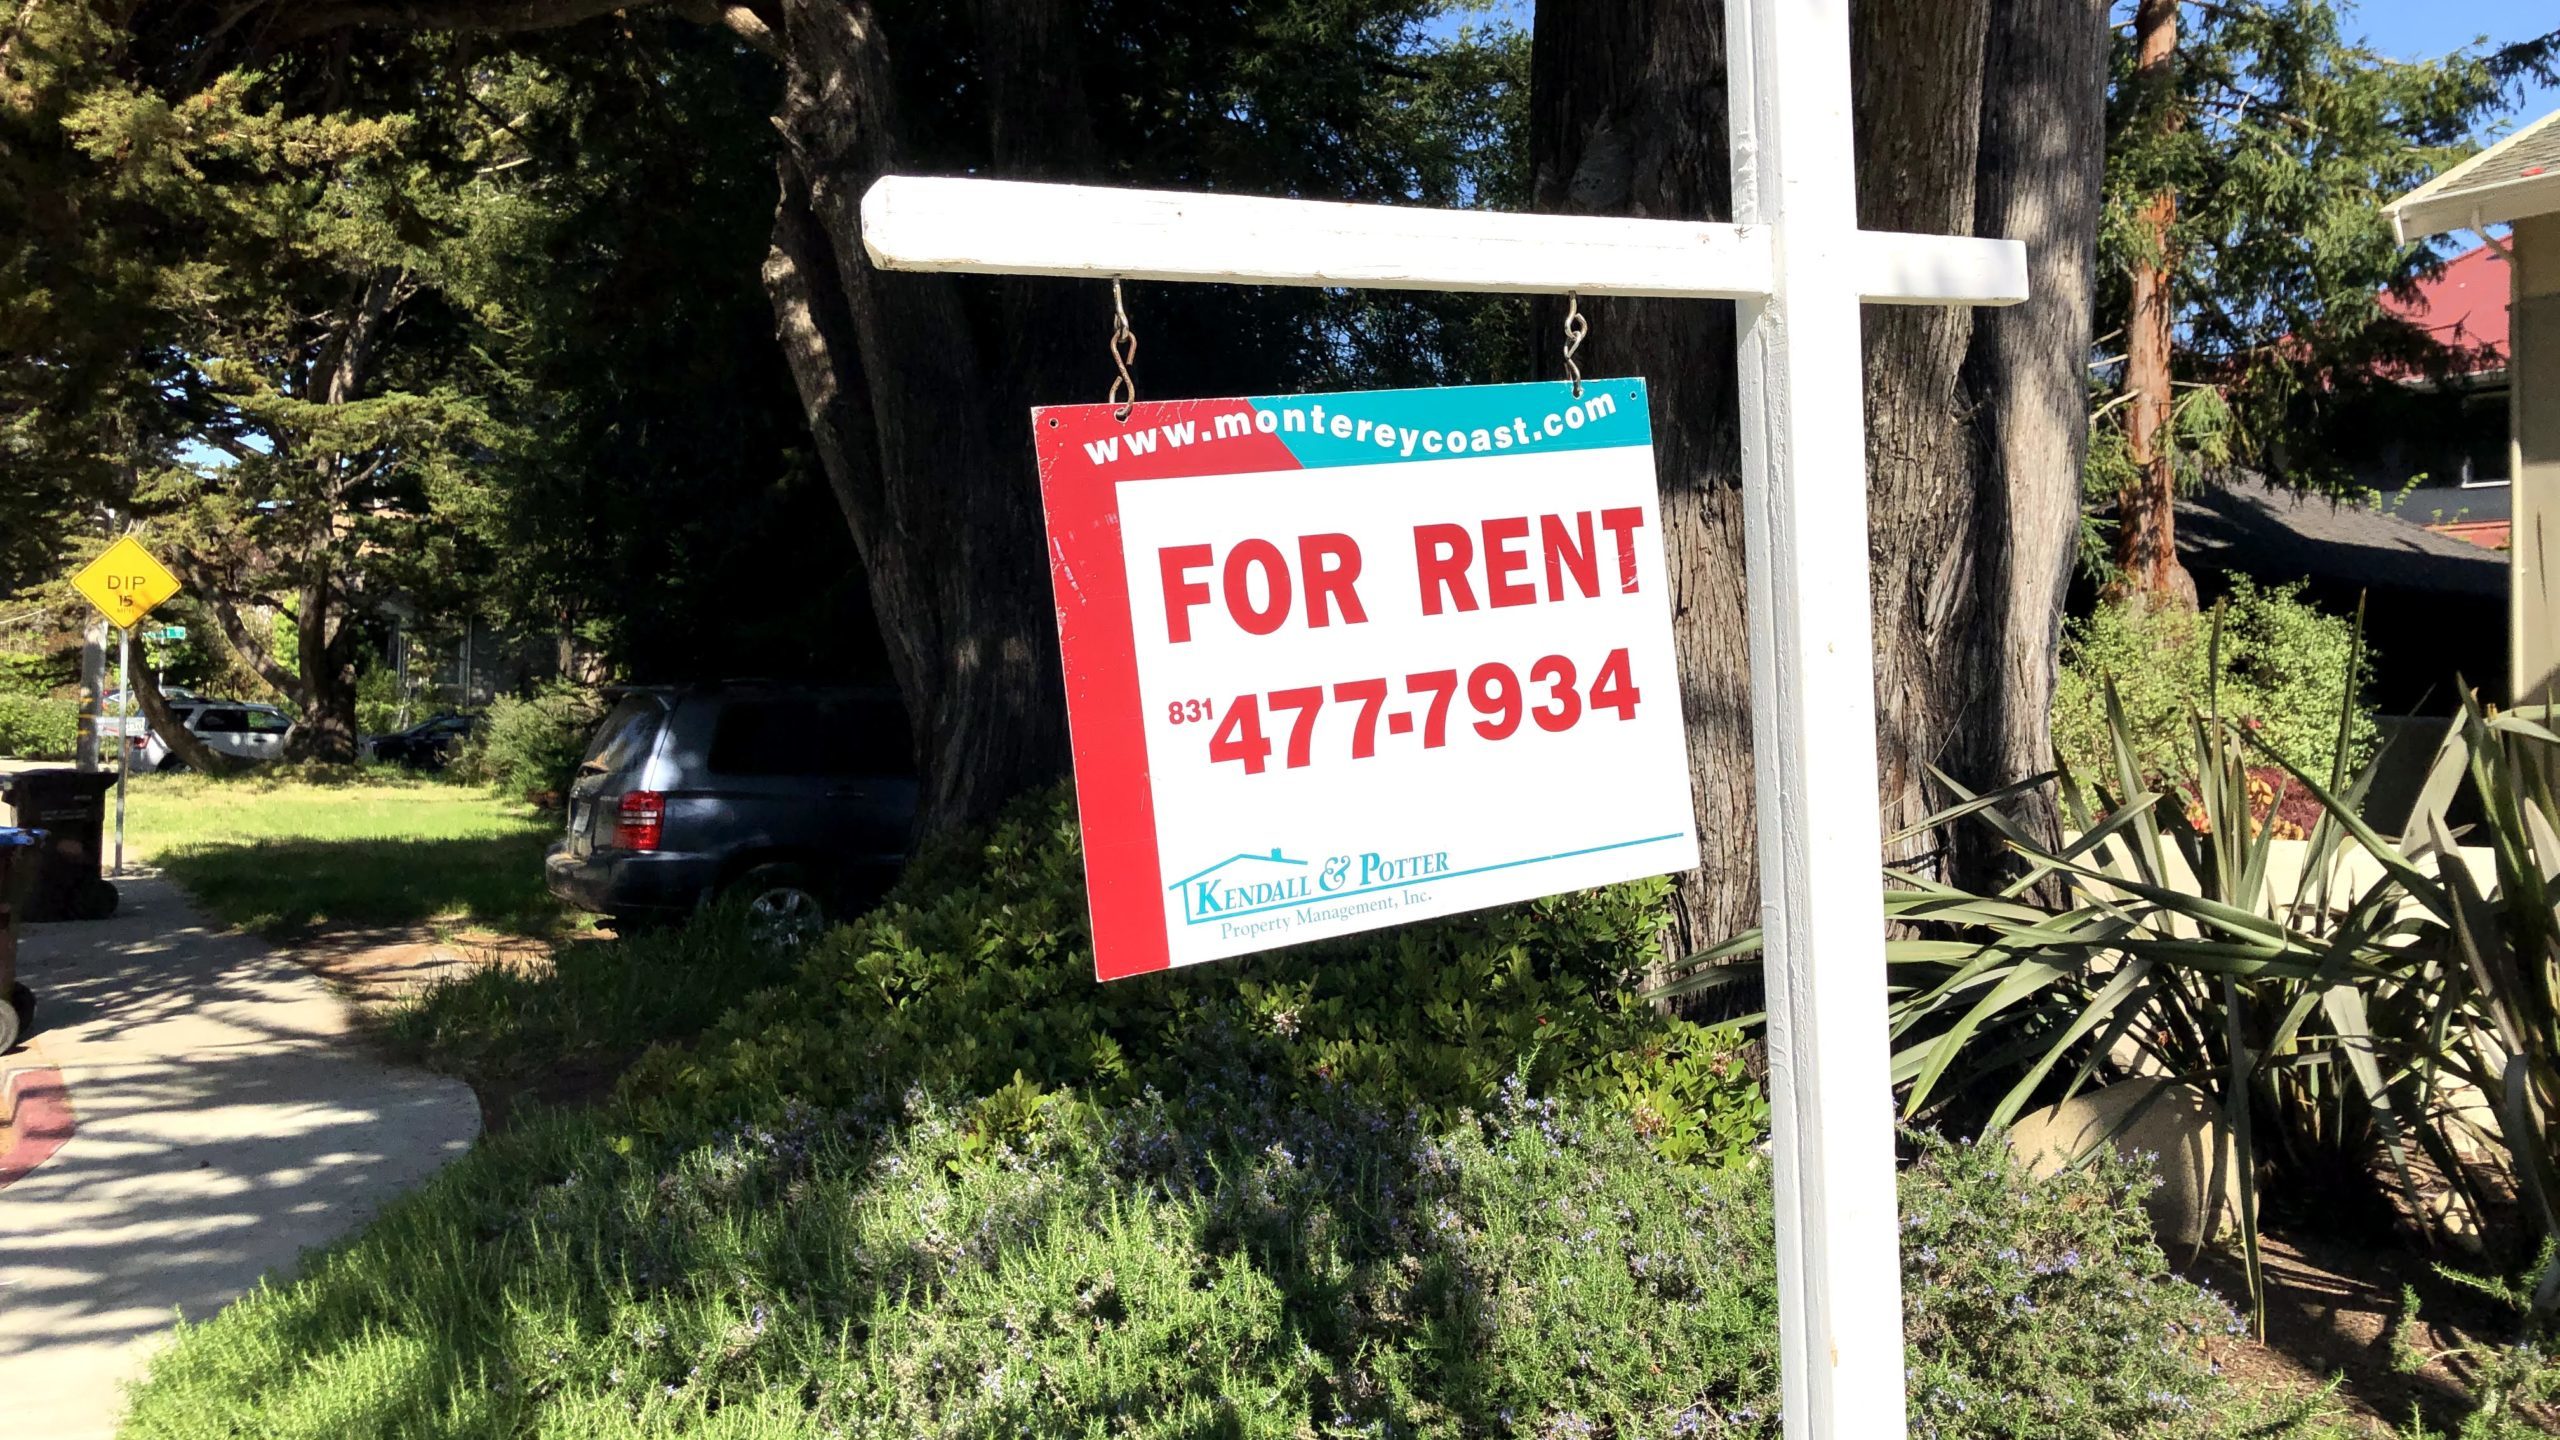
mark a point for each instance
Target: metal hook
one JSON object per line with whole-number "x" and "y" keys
{"x": 1124, "y": 348}
{"x": 1575, "y": 327}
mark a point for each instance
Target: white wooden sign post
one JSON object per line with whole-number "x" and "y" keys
{"x": 1798, "y": 266}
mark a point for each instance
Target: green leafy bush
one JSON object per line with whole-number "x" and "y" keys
{"x": 35, "y": 728}
{"x": 380, "y": 707}
{"x": 1224, "y": 1264}
{"x": 39, "y": 673}
{"x": 980, "y": 968}
{"x": 531, "y": 746}
{"x": 2284, "y": 669}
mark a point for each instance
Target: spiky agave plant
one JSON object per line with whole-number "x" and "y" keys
{"x": 2320, "y": 1014}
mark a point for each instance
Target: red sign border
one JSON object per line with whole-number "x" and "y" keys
{"x": 1097, "y": 643}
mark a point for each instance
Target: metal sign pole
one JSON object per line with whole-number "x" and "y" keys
{"x": 124, "y": 736}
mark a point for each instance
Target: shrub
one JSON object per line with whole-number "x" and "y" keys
{"x": 34, "y": 728}
{"x": 2283, "y": 675}
{"x": 380, "y": 707}
{"x": 1226, "y": 1264}
{"x": 531, "y": 747}
{"x": 980, "y": 968}
{"x": 39, "y": 673}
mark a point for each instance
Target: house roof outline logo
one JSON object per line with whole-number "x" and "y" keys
{"x": 1190, "y": 886}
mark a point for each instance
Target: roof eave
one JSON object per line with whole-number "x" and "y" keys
{"x": 2419, "y": 214}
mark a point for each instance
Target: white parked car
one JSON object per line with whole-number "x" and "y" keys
{"x": 254, "y": 733}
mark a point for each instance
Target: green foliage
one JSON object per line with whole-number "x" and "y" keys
{"x": 2509, "y": 1382}
{"x": 2046, "y": 1308}
{"x": 75, "y": 288}
{"x": 2284, "y": 665}
{"x": 596, "y": 1004}
{"x": 1222, "y": 1263}
{"x": 2198, "y": 438}
{"x": 980, "y": 969}
{"x": 531, "y": 746}
{"x": 2277, "y": 133}
{"x": 2353, "y": 1010}
{"x": 380, "y": 705}
{"x": 39, "y": 673}
{"x": 35, "y": 728}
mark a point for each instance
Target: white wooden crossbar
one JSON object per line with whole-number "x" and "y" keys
{"x": 1011, "y": 227}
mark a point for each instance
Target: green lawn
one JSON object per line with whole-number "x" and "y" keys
{"x": 284, "y": 855}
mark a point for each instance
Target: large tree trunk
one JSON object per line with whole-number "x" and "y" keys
{"x": 1967, "y": 538}
{"x": 324, "y": 660}
{"x": 1627, "y": 117}
{"x": 919, "y": 391}
{"x": 2041, "y": 180}
{"x": 2146, "y": 511}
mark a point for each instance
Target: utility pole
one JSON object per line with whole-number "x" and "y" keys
{"x": 93, "y": 694}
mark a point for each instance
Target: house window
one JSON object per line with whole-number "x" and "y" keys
{"x": 2484, "y": 439}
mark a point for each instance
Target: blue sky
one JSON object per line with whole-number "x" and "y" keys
{"x": 2401, "y": 29}
{"x": 2417, "y": 29}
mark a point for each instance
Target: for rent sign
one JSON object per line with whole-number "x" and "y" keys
{"x": 1336, "y": 662}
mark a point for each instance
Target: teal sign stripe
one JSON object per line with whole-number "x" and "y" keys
{"x": 1422, "y": 881}
{"x": 1371, "y": 427}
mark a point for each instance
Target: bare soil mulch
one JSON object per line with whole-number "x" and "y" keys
{"x": 2332, "y": 1307}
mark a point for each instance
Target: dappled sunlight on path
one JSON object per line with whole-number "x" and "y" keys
{"x": 227, "y": 1119}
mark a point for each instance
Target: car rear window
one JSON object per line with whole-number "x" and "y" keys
{"x": 625, "y": 734}
{"x": 220, "y": 722}
{"x": 831, "y": 736}
{"x": 267, "y": 722}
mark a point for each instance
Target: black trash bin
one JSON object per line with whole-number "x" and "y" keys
{"x": 70, "y": 806}
{"x": 17, "y": 869}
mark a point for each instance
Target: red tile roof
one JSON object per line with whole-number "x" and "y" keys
{"x": 2465, "y": 307}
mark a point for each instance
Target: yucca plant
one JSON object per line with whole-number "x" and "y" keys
{"x": 2324, "y": 1019}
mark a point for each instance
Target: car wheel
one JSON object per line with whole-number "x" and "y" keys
{"x": 18, "y": 1021}
{"x": 784, "y": 907}
{"x": 94, "y": 900}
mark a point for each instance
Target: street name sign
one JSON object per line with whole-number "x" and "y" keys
{"x": 1337, "y": 662}
{"x": 125, "y": 583}
{"x": 1796, "y": 267}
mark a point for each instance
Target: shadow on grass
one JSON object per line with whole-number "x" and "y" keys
{"x": 565, "y": 1032}
{"x": 284, "y": 774}
{"x": 285, "y": 888}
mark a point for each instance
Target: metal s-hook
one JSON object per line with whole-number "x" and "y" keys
{"x": 1575, "y": 327}
{"x": 1124, "y": 349}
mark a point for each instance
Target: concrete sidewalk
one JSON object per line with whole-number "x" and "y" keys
{"x": 226, "y": 1118}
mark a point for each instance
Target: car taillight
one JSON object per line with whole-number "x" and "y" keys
{"x": 640, "y": 820}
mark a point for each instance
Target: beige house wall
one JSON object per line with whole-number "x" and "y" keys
{"x": 2534, "y": 654}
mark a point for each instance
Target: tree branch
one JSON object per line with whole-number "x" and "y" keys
{"x": 226, "y": 618}
{"x": 750, "y": 23}
{"x": 499, "y": 17}
{"x": 756, "y": 24}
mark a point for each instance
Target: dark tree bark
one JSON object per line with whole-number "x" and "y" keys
{"x": 2041, "y": 173}
{"x": 1627, "y": 117}
{"x": 1970, "y": 484}
{"x": 919, "y": 390}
